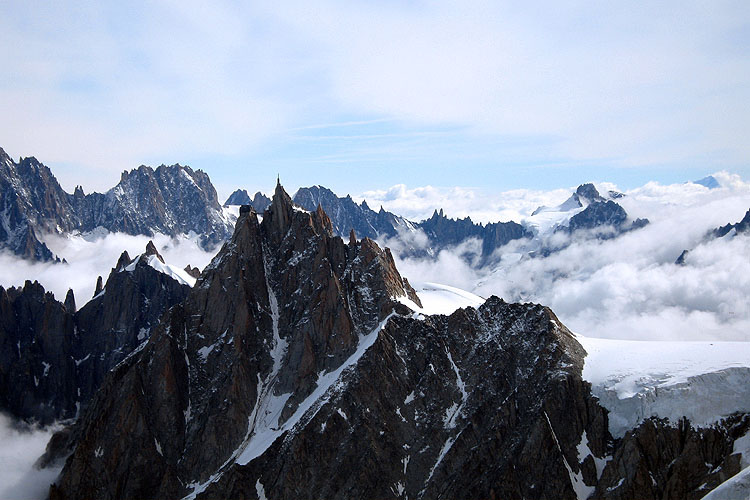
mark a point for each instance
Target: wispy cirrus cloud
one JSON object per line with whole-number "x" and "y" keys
{"x": 480, "y": 90}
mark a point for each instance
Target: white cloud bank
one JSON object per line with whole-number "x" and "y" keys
{"x": 89, "y": 259}
{"x": 21, "y": 447}
{"x": 629, "y": 287}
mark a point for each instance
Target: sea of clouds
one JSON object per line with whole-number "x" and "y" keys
{"x": 21, "y": 446}
{"x": 91, "y": 256}
{"x": 627, "y": 287}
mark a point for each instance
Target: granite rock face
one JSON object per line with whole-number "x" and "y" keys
{"x": 282, "y": 302}
{"x": 660, "y": 460}
{"x": 54, "y": 357}
{"x": 170, "y": 200}
{"x": 484, "y": 403}
{"x": 292, "y": 364}
{"x": 295, "y": 369}
{"x": 37, "y": 366}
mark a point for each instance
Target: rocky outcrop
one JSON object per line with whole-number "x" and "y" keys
{"x": 681, "y": 259}
{"x": 659, "y": 460}
{"x": 53, "y": 357}
{"x": 70, "y": 301}
{"x": 170, "y": 200}
{"x": 37, "y": 366}
{"x": 192, "y": 271}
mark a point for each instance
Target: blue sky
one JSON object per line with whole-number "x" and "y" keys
{"x": 364, "y": 95}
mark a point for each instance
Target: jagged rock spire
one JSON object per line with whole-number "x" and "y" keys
{"x": 99, "y": 286}
{"x": 151, "y": 250}
{"x": 281, "y": 208}
{"x": 123, "y": 261}
{"x": 70, "y": 301}
{"x": 193, "y": 271}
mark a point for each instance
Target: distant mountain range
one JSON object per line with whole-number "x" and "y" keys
{"x": 175, "y": 200}
{"x": 170, "y": 200}
{"x": 584, "y": 210}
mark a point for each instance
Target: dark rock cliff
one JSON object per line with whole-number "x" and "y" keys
{"x": 291, "y": 371}
{"x": 53, "y": 358}
{"x": 659, "y": 460}
{"x": 37, "y": 366}
{"x": 291, "y": 367}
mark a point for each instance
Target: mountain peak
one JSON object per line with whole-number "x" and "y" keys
{"x": 238, "y": 197}
{"x": 281, "y": 208}
{"x": 123, "y": 261}
{"x": 709, "y": 181}
{"x": 70, "y": 301}
{"x": 151, "y": 250}
{"x": 589, "y": 192}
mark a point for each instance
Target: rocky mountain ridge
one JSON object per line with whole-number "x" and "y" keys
{"x": 177, "y": 200}
{"x": 346, "y": 214}
{"x": 741, "y": 227}
{"x": 53, "y": 357}
{"x": 230, "y": 347}
{"x": 169, "y": 199}
{"x": 591, "y": 213}
{"x": 240, "y": 197}
{"x": 441, "y": 232}
{"x": 295, "y": 369}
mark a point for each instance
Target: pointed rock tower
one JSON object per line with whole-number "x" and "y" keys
{"x": 283, "y": 304}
